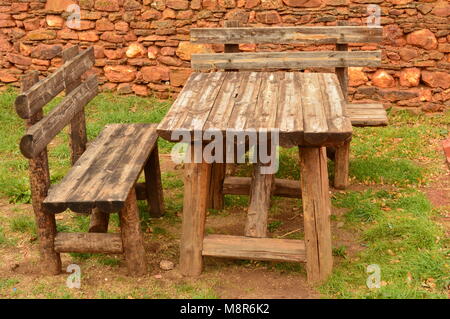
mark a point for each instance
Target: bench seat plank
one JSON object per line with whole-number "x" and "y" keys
{"x": 372, "y": 114}
{"x": 106, "y": 172}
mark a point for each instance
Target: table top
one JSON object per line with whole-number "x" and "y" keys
{"x": 307, "y": 109}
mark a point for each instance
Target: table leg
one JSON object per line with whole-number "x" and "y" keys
{"x": 316, "y": 212}
{"x": 99, "y": 221}
{"x": 341, "y": 164}
{"x": 258, "y": 210}
{"x": 132, "y": 241}
{"x": 153, "y": 185}
{"x": 196, "y": 189}
{"x": 215, "y": 200}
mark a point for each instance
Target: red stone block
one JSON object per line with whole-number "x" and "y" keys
{"x": 120, "y": 73}
{"x": 303, "y": 3}
{"x": 436, "y": 79}
{"x": 177, "y": 4}
{"x": 268, "y": 17}
{"x": 107, "y": 5}
{"x": 423, "y": 38}
{"x": 155, "y": 73}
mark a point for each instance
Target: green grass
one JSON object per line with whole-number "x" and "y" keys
{"x": 4, "y": 240}
{"x": 194, "y": 292}
{"x": 171, "y": 181}
{"x": 23, "y": 224}
{"x": 8, "y": 283}
{"x": 386, "y": 171}
{"x": 399, "y": 235}
{"x": 273, "y": 226}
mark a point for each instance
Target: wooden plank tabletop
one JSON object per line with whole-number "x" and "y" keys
{"x": 308, "y": 109}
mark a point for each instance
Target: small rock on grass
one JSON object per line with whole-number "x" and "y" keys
{"x": 174, "y": 275}
{"x": 166, "y": 265}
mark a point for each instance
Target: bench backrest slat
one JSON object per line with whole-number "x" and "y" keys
{"x": 41, "y": 134}
{"x": 35, "y": 98}
{"x": 288, "y": 35}
{"x": 285, "y": 60}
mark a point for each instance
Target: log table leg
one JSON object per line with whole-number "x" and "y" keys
{"x": 153, "y": 184}
{"x": 99, "y": 221}
{"x": 341, "y": 164}
{"x": 218, "y": 171}
{"x": 316, "y": 211}
{"x": 196, "y": 189}
{"x": 258, "y": 210}
{"x": 133, "y": 244}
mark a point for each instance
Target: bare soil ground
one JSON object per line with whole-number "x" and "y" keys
{"x": 439, "y": 195}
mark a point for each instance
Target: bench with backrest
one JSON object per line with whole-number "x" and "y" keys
{"x": 341, "y": 59}
{"x": 104, "y": 173}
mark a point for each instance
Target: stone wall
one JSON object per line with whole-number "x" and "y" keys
{"x": 142, "y": 46}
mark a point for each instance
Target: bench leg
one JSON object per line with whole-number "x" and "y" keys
{"x": 196, "y": 189}
{"x": 215, "y": 200}
{"x": 341, "y": 164}
{"x": 99, "y": 221}
{"x": 153, "y": 184}
{"x": 316, "y": 212}
{"x": 258, "y": 210}
{"x": 133, "y": 244}
{"x": 46, "y": 223}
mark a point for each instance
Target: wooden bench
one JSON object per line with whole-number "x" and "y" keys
{"x": 232, "y": 59}
{"x": 316, "y": 248}
{"x": 103, "y": 176}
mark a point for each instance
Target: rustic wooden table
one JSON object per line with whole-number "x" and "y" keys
{"x": 308, "y": 111}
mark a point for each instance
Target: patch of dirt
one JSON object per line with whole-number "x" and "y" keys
{"x": 439, "y": 195}
{"x": 241, "y": 282}
{"x": 439, "y": 192}
{"x": 167, "y": 165}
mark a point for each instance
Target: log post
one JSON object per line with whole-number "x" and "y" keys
{"x": 232, "y": 48}
{"x": 40, "y": 183}
{"x": 196, "y": 183}
{"x": 258, "y": 210}
{"x": 218, "y": 170}
{"x": 99, "y": 221}
{"x": 316, "y": 212}
{"x": 341, "y": 165}
{"x": 153, "y": 184}
{"x": 342, "y": 152}
{"x": 132, "y": 241}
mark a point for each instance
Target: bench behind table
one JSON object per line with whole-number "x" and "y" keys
{"x": 233, "y": 35}
{"x": 318, "y": 245}
{"x": 103, "y": 176}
